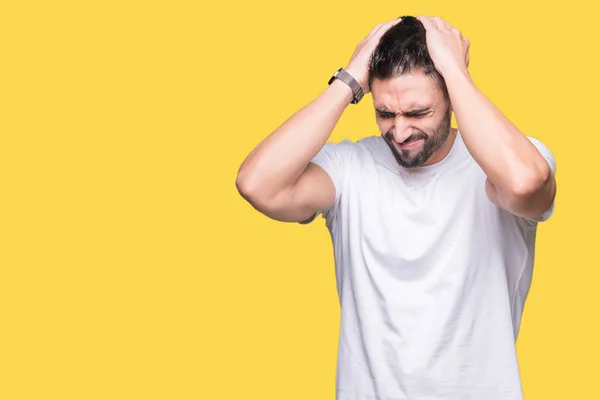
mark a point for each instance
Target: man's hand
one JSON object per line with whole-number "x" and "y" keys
{"x": 359, "y": 62}
{"x": 448, "y": 49}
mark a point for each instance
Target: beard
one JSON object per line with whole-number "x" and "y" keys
{"x": 431, "y": 143}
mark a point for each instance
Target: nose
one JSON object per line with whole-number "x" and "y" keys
{"x": 401, "y": 130}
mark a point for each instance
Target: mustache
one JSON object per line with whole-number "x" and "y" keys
{"x": 411, "y": 138}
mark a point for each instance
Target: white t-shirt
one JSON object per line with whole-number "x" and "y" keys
{"x": 431, "y": 276}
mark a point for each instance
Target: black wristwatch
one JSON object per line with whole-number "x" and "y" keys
{"x": 345, "y": 77}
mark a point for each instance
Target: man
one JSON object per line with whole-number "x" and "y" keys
{"x": 433, "y": 227}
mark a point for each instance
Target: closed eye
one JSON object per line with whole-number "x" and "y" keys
{"x": 386, "y": 116}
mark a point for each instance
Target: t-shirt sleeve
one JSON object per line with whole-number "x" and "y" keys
{"x": 549, "y": 157}
{"x": 333, "y": 158}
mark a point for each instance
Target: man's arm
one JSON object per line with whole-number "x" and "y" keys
{"x": 277, "y": 177}
{"x": 519, "y": 179}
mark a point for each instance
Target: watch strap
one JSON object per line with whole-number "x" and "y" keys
{"x": 348, "y": 79}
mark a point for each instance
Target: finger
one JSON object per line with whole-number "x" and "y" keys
{"x": 391, "y": 23}
{"x": 387, "y": 23}
{"x": 375, "y": 28}
{"x": 439, "y": 23}
{"x": 456, "y": 32}
{"x": 385, "y": 27}
{"x": 373, "y": 31}
{"x": 426, "y": 21}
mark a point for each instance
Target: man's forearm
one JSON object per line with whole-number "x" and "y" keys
{"x": 510, "y": 161}
{"x": 278, "y": 161}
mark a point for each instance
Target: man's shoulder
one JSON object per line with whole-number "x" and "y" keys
{"x": 354, "y": 149}
{"x": 366, "y": 141}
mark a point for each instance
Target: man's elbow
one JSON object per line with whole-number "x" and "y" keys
{"x": 532, "y": 195}
{"x": 242, "y": 187}
{"x": 528, "y": 184}
{"x": 251, "y": 195}
{"x": 273, "y": 205}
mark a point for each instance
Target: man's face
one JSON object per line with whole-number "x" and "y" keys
{"x": 413, "y": 117}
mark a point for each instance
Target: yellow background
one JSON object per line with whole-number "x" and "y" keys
{"x": 130, "y": 267}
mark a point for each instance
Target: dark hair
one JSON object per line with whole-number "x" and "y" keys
{"x": 401, "y": 50}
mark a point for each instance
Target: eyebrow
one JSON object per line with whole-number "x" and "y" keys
{"x": 414, "y": 111}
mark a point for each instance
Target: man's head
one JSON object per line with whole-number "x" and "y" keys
{"x": 411, "y": 100}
